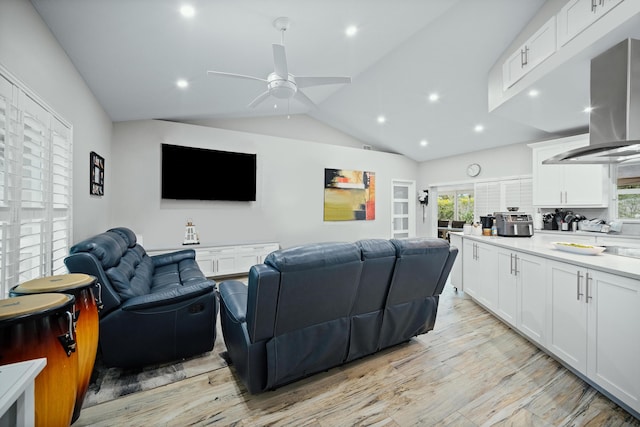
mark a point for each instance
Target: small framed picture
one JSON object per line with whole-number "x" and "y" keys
{"x": 96, "y": 174}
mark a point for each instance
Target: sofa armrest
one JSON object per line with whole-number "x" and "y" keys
{"x": 169, "y": 297}
{"x": 173, "y": 257}
{"x": 233, "y": 295}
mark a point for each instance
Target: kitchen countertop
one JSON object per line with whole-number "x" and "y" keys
{"x": 540, "y": 245}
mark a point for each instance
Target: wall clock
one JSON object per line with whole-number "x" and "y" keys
{"x": 473, "y": 169}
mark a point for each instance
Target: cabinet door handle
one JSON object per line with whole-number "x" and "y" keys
{"x": 589, "y": 279}
{"x": 511, "y": 264}
{"x": 594, "y": 5}
{"x": 579, "y": 277}
{"x": 515, "y": 270}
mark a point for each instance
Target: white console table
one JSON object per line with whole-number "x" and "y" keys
{"x": 225, "y": 260}
{"x": 17, "y": 392}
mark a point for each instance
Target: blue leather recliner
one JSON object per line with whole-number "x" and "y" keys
{"x": 313, "y": 307}
{"x": 156, "y": 309}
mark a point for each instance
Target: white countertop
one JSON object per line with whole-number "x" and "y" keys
{"x": 540, "y": 244}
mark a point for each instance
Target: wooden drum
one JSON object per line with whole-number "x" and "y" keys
{"x": 81, "y": 286}
{"x": 37, "y": 326}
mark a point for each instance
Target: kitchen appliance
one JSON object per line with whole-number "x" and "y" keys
{"x": 487, "y": 221}
{"x": 514, "y": 224}
{"x": 614, "y": 127}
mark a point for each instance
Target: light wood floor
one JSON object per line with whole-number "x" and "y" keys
{"x": 472, "y": 370}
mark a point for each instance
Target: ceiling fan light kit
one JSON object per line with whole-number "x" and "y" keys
{"x": 280, "y": 83}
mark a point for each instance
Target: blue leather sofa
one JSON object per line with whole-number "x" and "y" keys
{"x": 156, "y": 309}
{"x": 313, "y": 307}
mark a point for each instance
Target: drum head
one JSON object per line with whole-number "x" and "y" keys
{"x": 55, "y": 283}
{"x": 30, "y": 305}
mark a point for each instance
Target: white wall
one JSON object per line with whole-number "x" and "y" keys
{"x": 290, "y": 193}
{"x": 298, "y": 126}
{"x": 29, "y": 51}
{"x": 506, "y": 161}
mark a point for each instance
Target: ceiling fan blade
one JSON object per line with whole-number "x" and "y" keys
{"x": 280, "y": 61}
{"x": 304, "y": 99}
{"x": 317, "y": 81}
{"x": 259, "y": 99}
{"x": 234, "y": 75}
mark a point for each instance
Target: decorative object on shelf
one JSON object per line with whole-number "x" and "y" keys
{"x": 190, "y": 234}
{"x": 96, "y": 174}
{"x": 473, "y": 170}
{"x": 349, "y": 195}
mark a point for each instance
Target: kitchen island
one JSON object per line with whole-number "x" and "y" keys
{"x": 584, "y": 310}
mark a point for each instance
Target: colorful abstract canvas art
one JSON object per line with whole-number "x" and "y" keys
{"x": 349, "y": 195}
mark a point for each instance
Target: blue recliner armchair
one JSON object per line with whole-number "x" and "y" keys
{"x": 156, "y": 309}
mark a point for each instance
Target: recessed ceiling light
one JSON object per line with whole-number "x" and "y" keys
{"x": 182, "y": 83}
{"x": 434, "y": 97}
{"x": 424, "y": 142}
{"x": 478, "y": 128}
{"x": 187, "y": 11}
{"x": 534, "y": 92}
{"x": 587, "y": 110}
{"x": 382, "y": 119}
{"x": 351, "y": 30}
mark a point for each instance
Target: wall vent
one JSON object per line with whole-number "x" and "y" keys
{"x": 367, "y": 147}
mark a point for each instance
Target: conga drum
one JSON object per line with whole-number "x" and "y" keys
{"x": 81, "y": 286}
{"x": 36, "y": 326}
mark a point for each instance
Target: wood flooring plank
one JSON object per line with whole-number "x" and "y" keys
{"x": 472, "y": 370}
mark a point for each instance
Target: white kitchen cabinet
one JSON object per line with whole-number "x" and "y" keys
{"x": 593, "y": 326}
{"x": 456, "y": 270}
{"x": 567, "y": 321}
{"x": 577, "y": 15}
{"x": 567, "y": 185}
{"x": 532, "y": 304}
{"x": 536, "y": 49}
{"x": 521, "y": 292}
{"x": 480, "y": 272}
{"x": 613, "y": 343}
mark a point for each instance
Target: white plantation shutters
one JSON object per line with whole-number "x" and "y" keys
{"x": 35, "y": 187}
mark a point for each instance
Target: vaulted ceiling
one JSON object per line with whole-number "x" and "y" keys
{"x": 131, "y": 54}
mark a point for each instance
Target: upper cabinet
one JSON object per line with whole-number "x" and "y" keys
{"x": 577, "y": 15}
{"x": 567, "y": 185}
{"x": 536, "y": 49}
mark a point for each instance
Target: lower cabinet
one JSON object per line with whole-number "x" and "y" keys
{"x": 480, "y": 272}
{"x": 228, "y": 260}
{"x": 593, "y": 326}
{"x": 587, "y": 318}
{"x": 521, "y": 292}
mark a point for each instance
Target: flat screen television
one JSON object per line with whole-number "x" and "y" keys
{"x": 190, "y": 173}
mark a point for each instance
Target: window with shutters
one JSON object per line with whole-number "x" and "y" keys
{"x": 35, "y": 187}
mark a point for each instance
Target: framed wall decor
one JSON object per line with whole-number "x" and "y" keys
{"x": 96, "y": 174}
{"x": 349, "y": 195}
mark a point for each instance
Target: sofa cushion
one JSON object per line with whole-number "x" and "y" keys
{"x": 106, "y": 247}
{"x": 132, "y": 276}
{"x": 312, "y": 256}
{"x": 127, "y": 235}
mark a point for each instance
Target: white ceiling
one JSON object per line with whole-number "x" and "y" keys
{"x": 132, "y": 52}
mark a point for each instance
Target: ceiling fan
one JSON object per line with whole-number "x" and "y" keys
{"x": 280, "y": 83}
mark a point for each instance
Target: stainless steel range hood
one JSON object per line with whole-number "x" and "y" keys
{"x": 614, "y": 121}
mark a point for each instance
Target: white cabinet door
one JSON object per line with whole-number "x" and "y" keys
{"x": 614, "y": 335}
{"x": 536, "y": 49}
{"x": 532, "y": 291}
{"x": 567, "y": 185}
{"x": 577, "y": 15}
{"x": 480, "y": 274}
{"x": 456, "y": 270}
{"x": 507, "y": 286}
{"x": 567, "y": 317}
{"x": 470, "y": 268}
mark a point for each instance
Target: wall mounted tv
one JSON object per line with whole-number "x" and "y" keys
{"x": 190, "y": 173}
